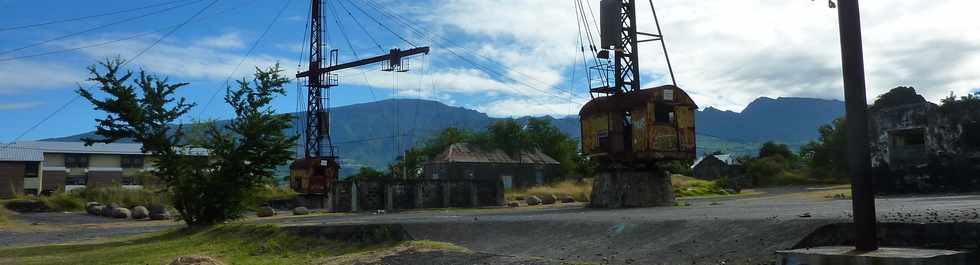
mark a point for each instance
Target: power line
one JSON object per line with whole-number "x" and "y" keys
{"x": 134, "y": 36}
{"x": 73, "y": 99}
{"x": 247, "y": 54}
{"x": 383, "y": 25}
{"x": 117, "y": 22}
{"x": 88, "y": 16}
{"x": 404, "y": 22}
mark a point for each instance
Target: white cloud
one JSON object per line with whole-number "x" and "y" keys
{"x": 22, "y": 76}
{"x": 171, "y": 58}
{"x": 19, "y": 105}
{"x": 519, "y": 107}
{"x": 231, "y": 40}
{"x": 727, "y": 53}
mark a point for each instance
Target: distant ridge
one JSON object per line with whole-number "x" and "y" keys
{"x": 364, "y": 132}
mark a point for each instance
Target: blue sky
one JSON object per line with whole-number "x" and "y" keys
{"x": 725, "y": 54}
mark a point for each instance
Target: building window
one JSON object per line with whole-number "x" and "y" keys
{"x": 76, "y": 161}
{"x": 131, "y": 180}
{"x": 76, "y": 180}
{"x": 663, "y": 114}
{"x": 132, "y": 161}
{"x": 908, "y": 146}
{"x": 30, "y": 170}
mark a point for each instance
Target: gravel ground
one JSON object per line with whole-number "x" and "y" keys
{"x": 453, "y": 258}
{"x": 54, "y": 228}
{"x": 735, "y": 230}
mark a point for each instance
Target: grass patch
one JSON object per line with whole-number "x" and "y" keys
{"x": 581, "y": 191}
{"x": 232, "y": 244}
{"x": 685, "y": 186}
{"x": 64, "y": 202}
{"x": 117, "y": 194}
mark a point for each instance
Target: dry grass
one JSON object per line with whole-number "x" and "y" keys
{"x": 581, "y": 191}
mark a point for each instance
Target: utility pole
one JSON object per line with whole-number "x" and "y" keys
{"x": 858, "y": 150}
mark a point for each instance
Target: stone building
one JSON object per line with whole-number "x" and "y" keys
{"x": 924, "y": 147}
{"x": 465, "y": 161}
{"x": 39, "y": 166}
{"x": 714, "y": 167}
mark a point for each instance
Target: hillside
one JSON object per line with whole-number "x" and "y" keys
{"x": 364, "y": 133}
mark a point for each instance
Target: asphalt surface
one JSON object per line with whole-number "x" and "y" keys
{"x": 729, "y": 230}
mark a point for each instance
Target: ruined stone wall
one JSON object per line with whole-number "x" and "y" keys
{"x": 413, "y": 194}
{"x": 952, "y": 162}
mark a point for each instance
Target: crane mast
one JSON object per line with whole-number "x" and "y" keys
{"x": 314, "y": 174}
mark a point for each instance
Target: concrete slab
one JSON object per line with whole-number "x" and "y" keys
{"x": 847, "y": 255}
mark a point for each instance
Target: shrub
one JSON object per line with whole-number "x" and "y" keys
{"x": 117, "y": 194}
{"x": 580, "y": 190}
{"x": 265, "y": 194}
{"x": 685, "y": 186}
{"x": 63, "y": 202}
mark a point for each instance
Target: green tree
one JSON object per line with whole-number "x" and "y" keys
{"x": 773, "y": 149}
{"x": 551, "y": 141}
{"x": 243, "y": 154}
{"x": 508, "y": 136}
{"x": 898, "y": 96}
{"x": 827, "y": 156}
{"x": 369, "y": 173}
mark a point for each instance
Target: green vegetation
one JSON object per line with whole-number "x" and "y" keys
{"x": 232, "y": 244}
{"x": 117, "y": 194}
{"x": 243, "y": 153}
{"x": 685, "y": 186}
{"x": 63, "y": 202}
{"x": 266, "y": 193}
{"x": 580, "y": 190}
{"x": 507, "y": 135}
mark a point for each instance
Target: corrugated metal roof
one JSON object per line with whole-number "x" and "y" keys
{"x": 725, "y": 158}
{"x": 8, "y": 153}
{"x": 463, "y": 152}
{"x": 80, "y": 148}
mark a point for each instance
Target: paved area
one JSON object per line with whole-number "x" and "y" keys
{"x": 733, "y": 230}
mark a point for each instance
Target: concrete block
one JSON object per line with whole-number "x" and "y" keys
{"x": 847, "y": 255}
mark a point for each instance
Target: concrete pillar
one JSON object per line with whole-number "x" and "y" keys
{"x": 419, "y": 197}
{"x": 474, "y": 195}
{"x": 330, "y": 201}
{"x": 389, "y": 197}
{"x": 354, "y": 206}
{"x": 446, "y": 193}
{"x": 625, "y": 188}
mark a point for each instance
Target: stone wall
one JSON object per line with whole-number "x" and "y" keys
{"x": 390, "y": 195}
{"x": 946, "y": 161}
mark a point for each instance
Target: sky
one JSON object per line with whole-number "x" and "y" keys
{"x": 507, "y": 58}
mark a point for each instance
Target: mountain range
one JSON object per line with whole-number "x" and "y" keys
{"x": 373, "y": 134}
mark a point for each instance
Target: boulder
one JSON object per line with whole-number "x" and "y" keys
{"x": 121, "y": 213}
{"x": 513, "y": 204}
{"x": 567, "y": 199}
{"x": 265, "y": 211}
{"x": 95, "y": 210}
{"x": 140, "y": 212}
{"x": 108, "y": 210}
{"x": 549, "y": 199}
{"x": 159, "y": 216}
{"x": 196, "y": 260}
{"x": 156, "y": 208}
{"x": 301, "y": 211}
{"x": 532, "y": 200}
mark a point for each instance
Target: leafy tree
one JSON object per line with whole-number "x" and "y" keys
{"x": 773, "y": 149}
{"x": 508, "y": 136}
{"x": 369, "y": 173}
{"x": 898, "y": 96}
{"x": 243, "y": 154}
{"x": 552, "y": 142}
{"x": 827, "y": 156}
{"x": 765, "y": 169}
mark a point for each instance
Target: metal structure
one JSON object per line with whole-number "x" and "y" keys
{"x": 625, "y": 124}
{"x": 628, "y": 129}
{"x": 314, "y": 173}
{"x": 858, "y": 149}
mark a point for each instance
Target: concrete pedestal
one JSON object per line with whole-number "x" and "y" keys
{"x": 625, "y": 188}
{"x": 847, "y": 255}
